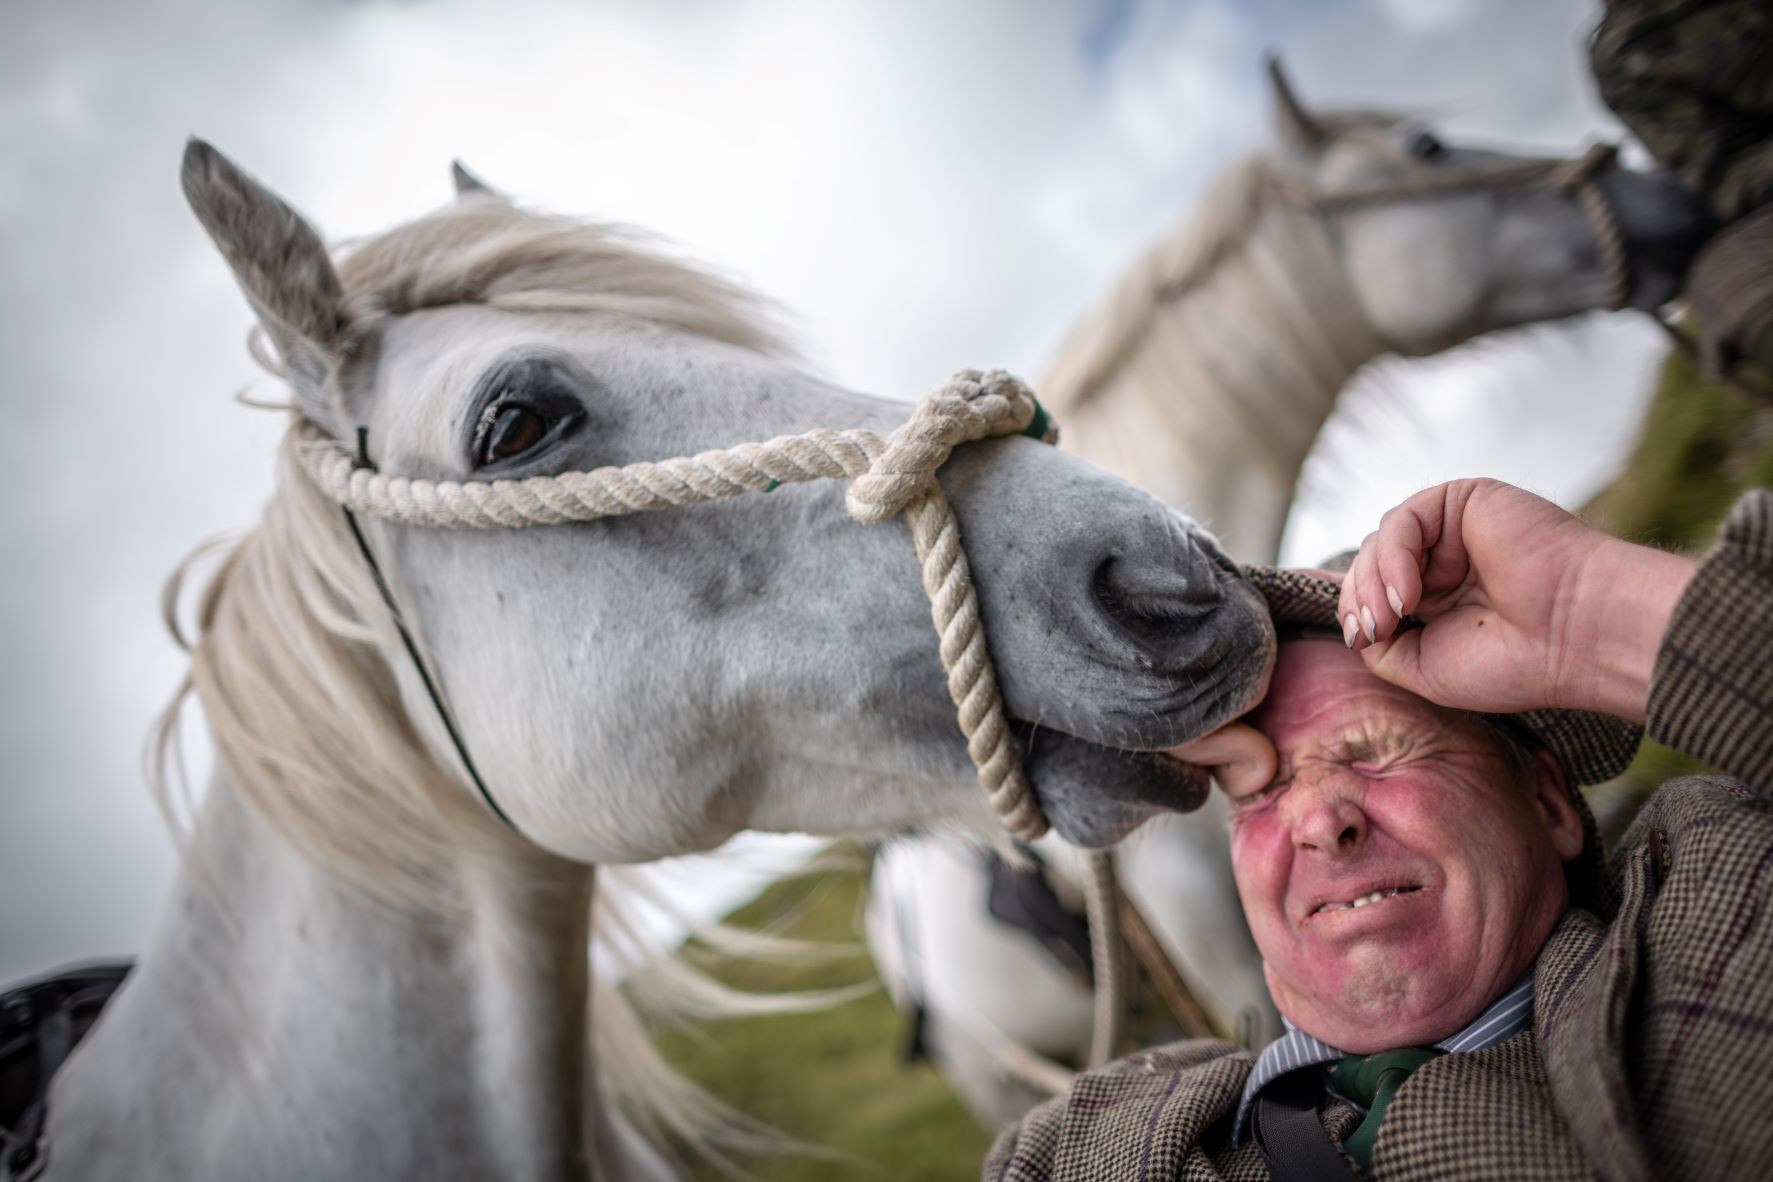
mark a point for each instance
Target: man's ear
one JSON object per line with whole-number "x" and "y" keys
{"x": 1296, "y": 130}
{"x": 1551, "y": 790}
{"x": 282, "y": 266}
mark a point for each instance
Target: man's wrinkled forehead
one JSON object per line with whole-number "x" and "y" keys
{"x": 1321, "y": 692}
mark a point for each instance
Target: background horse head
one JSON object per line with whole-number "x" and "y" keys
{"x": 365, "y": 972}
{"x": 1205, "y": 375}
{"x": 1207, "y": 372}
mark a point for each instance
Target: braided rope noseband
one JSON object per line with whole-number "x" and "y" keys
{"x": 897, "y": 476}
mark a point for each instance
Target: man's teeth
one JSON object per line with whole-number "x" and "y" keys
{"x": 1365, "y": 899}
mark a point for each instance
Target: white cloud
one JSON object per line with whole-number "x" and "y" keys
{"x": 1428, "y": 16}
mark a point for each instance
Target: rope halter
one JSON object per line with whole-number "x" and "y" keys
{"x": 897, "y": 476}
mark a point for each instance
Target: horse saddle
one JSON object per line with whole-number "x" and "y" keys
{"x": 41, "y": 1022}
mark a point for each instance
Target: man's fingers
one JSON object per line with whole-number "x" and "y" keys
{"x": 1417, "y": 554}
{"x": 1356, "y": 587}
{"x": 1399, "y": 661}
{"x": 1400, "y": 554}
{"x": 1447, "y": 564}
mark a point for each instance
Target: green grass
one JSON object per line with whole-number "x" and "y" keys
{"x": 835, "y": 1079}
{"x": 1700, "y": 446}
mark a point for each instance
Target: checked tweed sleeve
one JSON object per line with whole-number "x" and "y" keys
{"x": 1711, "y": 695}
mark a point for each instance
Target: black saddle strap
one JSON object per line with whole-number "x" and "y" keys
{"x": 1292, "y": 1138}
{"x": 1023, "y": 898}
{"x": 40, "y": 1024}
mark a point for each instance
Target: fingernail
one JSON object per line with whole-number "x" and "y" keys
{"x": 1395, "y": 600}
{"x": 1350, "y": 627}
{"x": 1368, "y": 624}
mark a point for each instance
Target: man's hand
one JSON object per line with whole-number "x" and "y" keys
{"x": 1525, "y": 606}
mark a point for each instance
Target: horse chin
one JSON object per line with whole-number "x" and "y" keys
{"x": 1096, "y": 795}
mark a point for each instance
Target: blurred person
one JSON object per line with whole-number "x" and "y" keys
{"x": 1470, "y": 990}
{"x": 1694, "y": 82}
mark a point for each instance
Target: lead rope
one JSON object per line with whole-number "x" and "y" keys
{"x": 1102, "y": 907}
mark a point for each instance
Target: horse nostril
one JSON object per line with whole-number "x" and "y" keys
{"x": 1151, "y": 599}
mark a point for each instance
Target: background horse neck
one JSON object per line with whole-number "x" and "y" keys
{"x": 286, "y": 1001}
{"x": 1207, "y": 373}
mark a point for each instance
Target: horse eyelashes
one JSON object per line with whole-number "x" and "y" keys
{"x": 510, "y": 430}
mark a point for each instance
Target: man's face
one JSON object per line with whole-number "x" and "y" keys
{"x": 1381, "y": 793}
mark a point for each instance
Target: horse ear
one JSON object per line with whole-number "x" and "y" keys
{"x": 1294, "y": 126}
{"x": 282, "y": 266}
{"x": 469, "y": 185}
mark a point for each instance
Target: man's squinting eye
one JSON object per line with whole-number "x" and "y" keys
{"x": 507, "y": 430}
{"x": 1248, "y": 798}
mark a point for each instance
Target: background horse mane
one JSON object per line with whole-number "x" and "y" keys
{"x": 1216, "y": 233}
{"x": 305, "y": 711}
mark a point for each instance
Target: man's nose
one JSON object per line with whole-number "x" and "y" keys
{"x": 1326, "y": 817}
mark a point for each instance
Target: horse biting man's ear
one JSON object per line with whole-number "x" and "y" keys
{"x": 281, "y": 264}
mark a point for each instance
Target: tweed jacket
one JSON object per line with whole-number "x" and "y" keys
{"x": 1651, "y": 1049}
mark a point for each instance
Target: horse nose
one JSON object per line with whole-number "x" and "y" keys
{"x": 1151, "y": 593}
{"x": 1664, "y": 225}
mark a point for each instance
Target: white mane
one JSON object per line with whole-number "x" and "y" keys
{"x": 1215, "y": 234}
{"x": 1100, "y": 342}
{"x": 289, "y": 660}
{"x": 1205, "y": 372}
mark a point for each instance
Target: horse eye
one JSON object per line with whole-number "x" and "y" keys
{"x": 512, "y": 429}
{"x": 1425, "y": 146}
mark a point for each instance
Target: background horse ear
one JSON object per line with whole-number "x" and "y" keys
{"x": 282, "y": 266}
{"x": 469, "y": 185}
{"x": 1295, "y": 129}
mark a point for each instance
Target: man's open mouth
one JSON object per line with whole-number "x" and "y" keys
{"x": 1365, "y": 900}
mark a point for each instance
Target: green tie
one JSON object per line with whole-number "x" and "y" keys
{"x": 1371, "y": 1081}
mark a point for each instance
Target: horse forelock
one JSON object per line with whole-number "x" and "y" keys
{"x": 491, "y": 252}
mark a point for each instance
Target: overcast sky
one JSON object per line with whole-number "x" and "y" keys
{"x": 925, "y": 185}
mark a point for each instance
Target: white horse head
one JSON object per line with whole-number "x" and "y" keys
{"x": 650, "y": 685}
{"x": 628, "y": 688}
{"x": 1209, "y": 368}
{"x": 1441, "y": 242}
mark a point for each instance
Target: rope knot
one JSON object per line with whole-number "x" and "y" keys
{"x": 969, "y": 406}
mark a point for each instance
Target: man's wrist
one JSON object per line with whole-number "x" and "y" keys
{"x": 1626, "y": 598}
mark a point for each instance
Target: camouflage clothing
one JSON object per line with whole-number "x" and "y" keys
{"x": 1693, "y": 79}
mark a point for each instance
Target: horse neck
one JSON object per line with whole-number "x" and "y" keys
{"x": 280, "y": 1014}
{"x": 1215, "y": 406}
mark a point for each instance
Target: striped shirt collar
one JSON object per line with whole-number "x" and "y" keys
{"x": 1295, "y": 1049}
